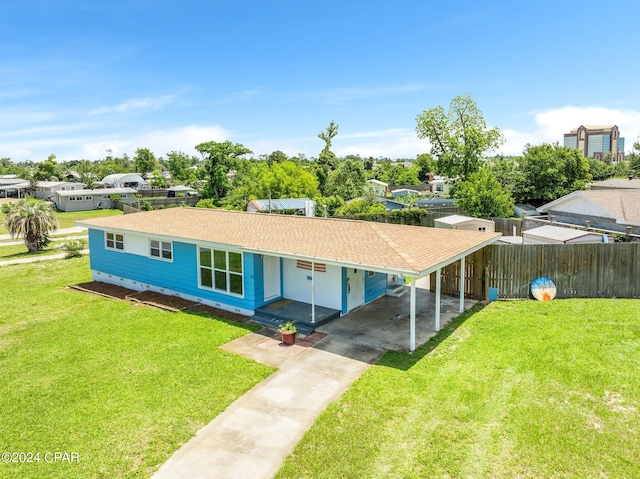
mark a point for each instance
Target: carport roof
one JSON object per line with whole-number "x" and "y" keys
{"x": 409, "y": 250}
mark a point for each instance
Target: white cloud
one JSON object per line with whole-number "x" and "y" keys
{"x": 551, "y": 125}
{"x": 136, "y": 104}
{"x": 160, "y": 142}
{"x": 393, "y": 143}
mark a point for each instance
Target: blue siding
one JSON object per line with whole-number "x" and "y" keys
{"x": 374, "y": 286}
{"x": 181, "y": 275}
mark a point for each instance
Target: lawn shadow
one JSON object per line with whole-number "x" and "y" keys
{"x": 405, "y": 361}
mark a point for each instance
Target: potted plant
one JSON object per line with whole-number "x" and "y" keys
{"x": 288, "y": 331}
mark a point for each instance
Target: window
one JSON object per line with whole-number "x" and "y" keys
{"x": 115, "y": 241}
{"x": 221, "y": 270}
{"x": 88, "y": 198}
{"x": 371, "y": 274}
{"x": 161, "y": 249}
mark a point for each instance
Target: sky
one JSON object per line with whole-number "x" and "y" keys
{"x": 78, "y": 78}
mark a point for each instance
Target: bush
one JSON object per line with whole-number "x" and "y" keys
{"x": 73, "y": 248}
{"x": 206, "y": 203}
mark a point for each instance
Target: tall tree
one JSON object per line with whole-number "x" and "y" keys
{"x": 458, "y": 137}
{"x": 347, "y": 180}
{"x": 33, "y": 220}
{"x": 426, "y": 164}
{"x": 144, "y": 161}
{"x": 327, "y": 160}
{"x": 219, "y": 159}
{"x": 481, "y": 195}
{"x": 551, "y": 171}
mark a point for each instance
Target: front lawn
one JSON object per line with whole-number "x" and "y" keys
{"x": 20, "y": 251}
{"x": 122, "y": 386}
{"x": 521, "y": 389}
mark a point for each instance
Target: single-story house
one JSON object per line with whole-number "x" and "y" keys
{"x": 549, "y": 234}
{"x": 180, "y": 190}
{"x": 240, "y": 262}
{"x": 83, "y": 200}
{"x": 45, "y": 189}
{"x": 391, "y": 205}
{"x": 404, "y": 192}
{"x": 377, "y": 186}
{"x": 612, "y": 210}
{"x": 13, "y": 187}
{"x": 461, "y": 222}
{"x": 125, "y": 180}
{"x": 525, "y": 209}
{"x": 303, "y": 206}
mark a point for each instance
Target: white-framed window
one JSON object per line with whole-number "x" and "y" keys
{"x": 220, "y": 270}
{"x": 114, "y": 241}
{"x": 72, "y": 198}
{"x": 88, "y": 198}
{"x": 161, "y": 249}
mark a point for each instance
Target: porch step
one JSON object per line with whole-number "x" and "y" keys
{"x": 396, "y": 290}
{"x": 274, "y": 323}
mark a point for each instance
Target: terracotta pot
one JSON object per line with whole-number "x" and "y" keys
{"x": 289, "y": 338}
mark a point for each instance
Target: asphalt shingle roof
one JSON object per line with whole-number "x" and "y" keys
{"x": 410, "y": 249}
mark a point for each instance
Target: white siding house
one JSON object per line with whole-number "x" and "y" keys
{"x": 460, "y": 222}
{"x": 84, "y": 200}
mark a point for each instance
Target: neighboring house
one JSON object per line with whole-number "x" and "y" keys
{"x": 614, "y": 210}
{"x": 616, "y": 184}
{"x": 125, "y": 180}
{"x": 596, "y": 141}
{"x": 377, "y": 186}
{"x": 84, "y": 200}
{"x": 558, "y": 235}
{"x": 302, "y": 206}
{"x": 404, "y": 192}
{"x": 460, "y": 222}
{"x": 13, "y": 187}
{"x": 45, "y": 189}
{"x": 440, "y": 185}
{"x": 180, "y": 190}
{"x": 391, "y": 205}
{"x": 241, "y": 262}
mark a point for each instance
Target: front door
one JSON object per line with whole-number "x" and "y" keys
{"x": 355, "y": 288}
{"x": 271, "y": 276}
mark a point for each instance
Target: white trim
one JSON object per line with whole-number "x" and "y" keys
{"x": 114, "y": 248}
{"x": 160, "y": 258}
{"x": 412, "y": 317}
{"x": 139, "y": 286}
{"x": 212, "y": 288}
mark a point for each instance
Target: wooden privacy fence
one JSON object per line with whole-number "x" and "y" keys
{"x": 578, "y": 270}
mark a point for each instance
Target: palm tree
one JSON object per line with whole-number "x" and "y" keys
{"x": 33, "y": 220}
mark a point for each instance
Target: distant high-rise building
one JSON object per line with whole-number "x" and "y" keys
{"x": 597, "y": 141}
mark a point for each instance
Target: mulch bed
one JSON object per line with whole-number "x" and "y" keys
{"x": 163, "y": 301}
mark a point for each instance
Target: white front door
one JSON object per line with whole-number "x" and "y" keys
{"x": 271, "y": 276}
{"x": 355, "y": 288}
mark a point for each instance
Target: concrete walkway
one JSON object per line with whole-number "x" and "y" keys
{"x": 251, "y": 438}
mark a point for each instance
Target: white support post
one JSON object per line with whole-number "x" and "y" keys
{"x": 438, "y": 273}
{"x": 313, "y": 292}
{"x": 412, "y": 316}
{"x": 462, "y": 281}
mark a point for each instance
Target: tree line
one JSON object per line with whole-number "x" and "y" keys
{"x": 229, "y": 175}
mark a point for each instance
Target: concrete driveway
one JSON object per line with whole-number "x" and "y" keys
{"x": 384, "y": 323}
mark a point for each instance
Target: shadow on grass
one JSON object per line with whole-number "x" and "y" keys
{"x": 405, "y": 361}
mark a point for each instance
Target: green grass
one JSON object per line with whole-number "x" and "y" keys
{"x": 67, "y": 218}
{"x": 122, "y": 386}
{"x": 521, "y": 389}
{"x": 20, "y": 251}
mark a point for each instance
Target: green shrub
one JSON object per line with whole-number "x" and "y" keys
{"x": 73, "y": 248}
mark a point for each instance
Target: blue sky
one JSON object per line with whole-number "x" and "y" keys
{"x": 80, "y": 77}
